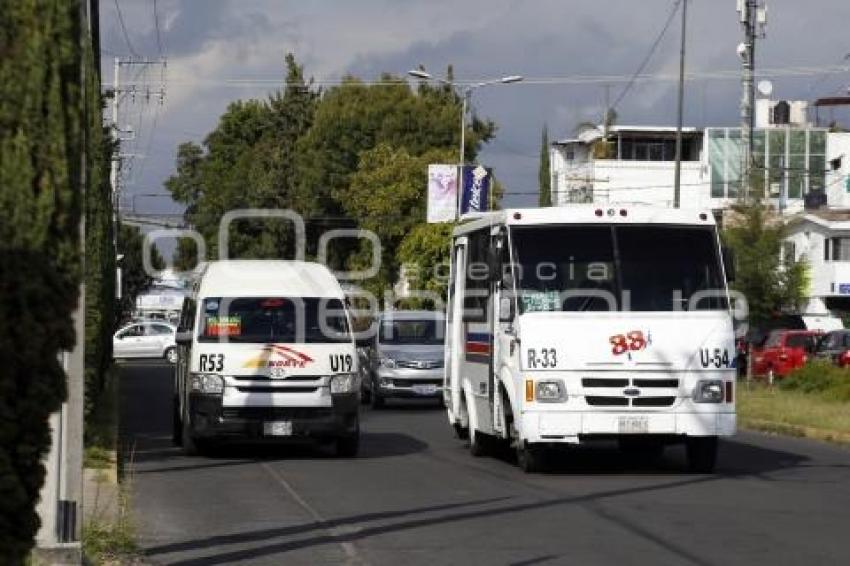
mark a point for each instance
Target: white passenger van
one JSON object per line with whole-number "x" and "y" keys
{"x": 266, "y": 352}
{"x": 585, "y": 322}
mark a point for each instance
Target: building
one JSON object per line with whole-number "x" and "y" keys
{"x": 802, "y": 169}
{"x": 793, "y": 159}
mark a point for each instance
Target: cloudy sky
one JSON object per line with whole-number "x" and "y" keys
{"x": 570, "y": 51}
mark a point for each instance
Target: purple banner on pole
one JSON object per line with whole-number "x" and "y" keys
{"x": 475, "y": 196}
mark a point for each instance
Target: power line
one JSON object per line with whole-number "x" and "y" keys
{"x": 648, "y": 56}
{"x": 723, "y": 74}
{"x": 124, "y": 30}
{"x": 158, "y": 34}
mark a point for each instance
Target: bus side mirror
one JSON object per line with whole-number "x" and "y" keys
{"x": 728, "y": 262}
{"x": 506, "y": 309}
{"x": 183, "y": 337}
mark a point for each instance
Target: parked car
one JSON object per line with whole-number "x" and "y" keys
{"x": 784, "y": 351}
{"x": 407, "y": 357}
{"x": 145, "y": 339}
{"x": 835, "y": 347}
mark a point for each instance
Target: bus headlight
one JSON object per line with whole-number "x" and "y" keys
{"x": 207, "y": 383}
{"x": 344, "y": 383}
{"x": 551, "y": 391}
{"x": 708, "y": 391}
{"x": 388, "y": 363}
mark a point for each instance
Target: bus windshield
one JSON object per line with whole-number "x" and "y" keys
{"x": 622, "y": 267}
{"x": 273, "y": 319}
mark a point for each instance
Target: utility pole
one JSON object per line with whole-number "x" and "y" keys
{"x": 753, "y": 17}
{"x": 677, "y": 181}
{"x": 119, "y": 94}
{"x": 60, "y": 505}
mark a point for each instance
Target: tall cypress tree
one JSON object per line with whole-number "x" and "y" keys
{"x": 544, "y": 176}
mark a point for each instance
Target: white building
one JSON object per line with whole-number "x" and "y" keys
{"x": 803, "y": 169}
{"x": 637, "y": 163}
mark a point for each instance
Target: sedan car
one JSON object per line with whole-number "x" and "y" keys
{"x": 784, "y": 351}
{"x": 147, "y": 339}
{"x": 835, "y": 347}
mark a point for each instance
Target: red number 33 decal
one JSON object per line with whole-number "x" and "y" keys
{"x": 622, "y": 343}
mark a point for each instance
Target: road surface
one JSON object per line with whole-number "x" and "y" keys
{"x": 416, "y": 496}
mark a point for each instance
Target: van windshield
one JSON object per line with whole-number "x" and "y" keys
{"x": 625, "y": 267}
{"x": 422, "y": 332}
{"x": 293, "y": 320}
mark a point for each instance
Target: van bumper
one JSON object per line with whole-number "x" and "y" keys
{"x": 209, "y": 419}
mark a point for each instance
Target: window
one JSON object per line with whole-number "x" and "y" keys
{"x": 839, "y": 249}
{"x": 159, "y": 330}
{"x": 132, "y": 331}
{"x": 187, "y": 315}
{"x": 575, "y": 268}
{"x": 421, "y": 332}
{"x": 477, "y": 277}
{"x": 273, "y": 319}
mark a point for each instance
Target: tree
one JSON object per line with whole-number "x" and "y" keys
{"x": 769, "y": 282}
{"x": 41, "y": 139}
{"x": 388, "y": 196}
{"x": 354, "y": 118}
{"x": 544, "y": 175}
{"x": 248, "y": 161}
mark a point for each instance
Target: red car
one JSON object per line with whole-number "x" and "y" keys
{"x": 784, "y": 351}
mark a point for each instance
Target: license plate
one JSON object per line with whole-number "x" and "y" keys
{"x": 633, "y": 425}
{"x": 424, "y": 389}
{"x": 277, "y": 428}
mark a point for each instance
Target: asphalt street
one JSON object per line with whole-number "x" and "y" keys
{"x": 416, "y": 496}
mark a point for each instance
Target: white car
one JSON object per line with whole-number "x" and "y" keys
{"x": 148, "y": 339}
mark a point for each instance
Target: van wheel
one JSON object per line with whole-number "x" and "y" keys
{"x": 176, "y": 424}
{"x": 171, "y": 355}
{"x": 702, "y": 453}
{"x": 529, "y": 458}
{"x": 376, "y": 400}
{"x": 191, "y": 445}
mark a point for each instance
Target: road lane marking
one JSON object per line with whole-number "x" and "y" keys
{"x": 348, "y": 548}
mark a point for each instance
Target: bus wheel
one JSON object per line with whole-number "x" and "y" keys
{"x": 702, "y": 453}
{"x": 478, "y": 446}
{"x": 529, "y": 458}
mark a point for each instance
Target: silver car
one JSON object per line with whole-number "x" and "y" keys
{"x": 407, "y": 357}
{"x": 147, "y": 339}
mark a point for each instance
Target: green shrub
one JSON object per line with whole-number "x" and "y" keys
{"x": 819, "y": 377}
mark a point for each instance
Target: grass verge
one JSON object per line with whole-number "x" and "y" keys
{"x": 793, "y": 412}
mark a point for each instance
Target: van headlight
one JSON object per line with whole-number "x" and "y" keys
{"x": 708, "y": 391}
{"x": 344, "y": 383}
{"x": 388, "y": 363}
{"x": 550, "y": 391}
{"x": 207, "y": 383}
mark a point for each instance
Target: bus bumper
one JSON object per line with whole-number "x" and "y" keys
{"x": 569, "y": 427}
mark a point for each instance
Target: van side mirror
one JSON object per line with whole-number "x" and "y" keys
{"x": 183, "y": 337}
{"x": 728, "y": 262}
{"x": 506, "y": 309}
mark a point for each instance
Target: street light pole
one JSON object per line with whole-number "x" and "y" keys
{"x": 465, "y": 99}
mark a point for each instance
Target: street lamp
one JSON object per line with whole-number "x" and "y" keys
{"x": 466, "y": 96}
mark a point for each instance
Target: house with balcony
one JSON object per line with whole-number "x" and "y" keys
{"x": 626, "y": 164}
{"x": 795, "y": 162}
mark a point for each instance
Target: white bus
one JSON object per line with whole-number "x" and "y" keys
{"x": 578, "y": 323}
{"x": 266, "y": 352}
